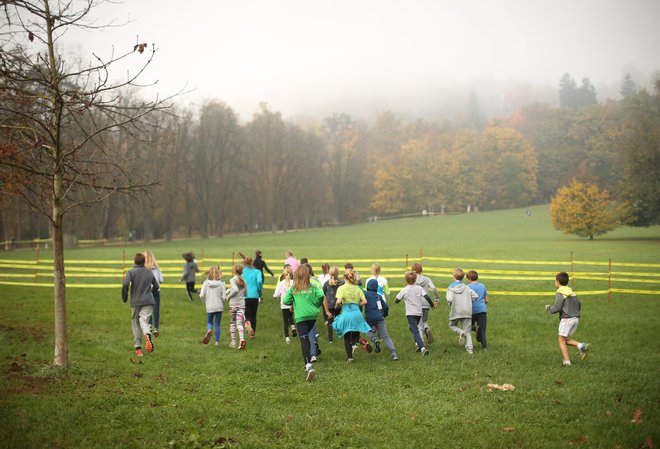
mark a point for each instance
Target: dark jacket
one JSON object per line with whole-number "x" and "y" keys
{"x": 260, "y": 265}
{"x": 142, "y": 283}
{"x": 330, "y": 292}
{"x": 376, "y": 309}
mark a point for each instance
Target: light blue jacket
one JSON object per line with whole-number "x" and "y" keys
{"x": 253, "y": 282}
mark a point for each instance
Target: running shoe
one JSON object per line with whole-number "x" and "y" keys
{"x": 207, "y": 337}
{"x": 150, "y": 344}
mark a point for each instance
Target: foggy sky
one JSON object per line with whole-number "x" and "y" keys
{"x": 312, "y": 58}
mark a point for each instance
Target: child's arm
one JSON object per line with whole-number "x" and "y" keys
{"x": 473, "y": 295}
{"x": 429, "y": 300}
{"x": 288, "y": 298}
{"x": 557, "y": 306}
{"x": 399, "y": 296}
{"x": 449, "y": 296}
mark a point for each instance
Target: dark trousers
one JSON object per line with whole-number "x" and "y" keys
{"x": 251, "y": 306}
{"x": 155, "y": 316}
{"x": 413, "y": 324}
{"x": 479, "y": 321}
{"x": 190, "y": 289}
{"x": 350, "y": 338}
{"x": 287, "y": 318}
{"x": 304, "y": 329}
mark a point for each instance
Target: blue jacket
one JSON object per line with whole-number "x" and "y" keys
{"x": 253, "y": 282}
{"x": 372, "y": 312}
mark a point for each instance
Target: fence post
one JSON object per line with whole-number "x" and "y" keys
{"x": 202, "y": 257}
{"x": 406, "y": 262}
{"x": 572, "y": 274}
{"x": 123, "y": 263}
{"x": 609, "y": 281}
{"x": 36, "y": 272}
{"x": 421, "y": 255}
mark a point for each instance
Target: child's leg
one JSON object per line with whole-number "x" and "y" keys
{"x": 481, "y": 329}
{"x": 382, "y": 331}
{"x": 156, "y": 313}
{"x": 563, "y": 348}
{"x": 209, "y": 321}
{"x": 312, "y": 341}
{"x": 232, "y": 324}
{"x": 466, "y": 324}
{"x": 190, "y": 289}
{"x": 135, "y": 323}
{"x": 218, "y": 318}
{"x": 413, "y": 324}
{"x": 305, "y": 328}
{"x": 285, "y": 319}
{"x": 240, "y": 318}
{"x": 455, "y": 329}
{"x": 348, "y": 345}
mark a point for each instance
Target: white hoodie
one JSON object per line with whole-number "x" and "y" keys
{"x": 213, "y": 295}
{"x": 460, "y": 297}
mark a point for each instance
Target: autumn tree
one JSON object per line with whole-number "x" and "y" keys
{"x": 58, "y": 121}
{"x": 583, "y": 209}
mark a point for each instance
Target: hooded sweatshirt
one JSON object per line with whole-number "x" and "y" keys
{"x": 566, "y": 302}
{"x": 142, "y": 284}
{"x": 459, "y": 297}
{"x": 376, "y": 308}
{"x": 306, "y": 302}
{"x": 214, "y": 295}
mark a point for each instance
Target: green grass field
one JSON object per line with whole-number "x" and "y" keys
{"x": 188, "y": 395}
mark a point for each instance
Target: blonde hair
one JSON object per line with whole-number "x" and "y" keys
{"x": 351, "y": 276}
{"x": 301, "y": 278}
{"x": 214, "y": 273}
{"x": 149, "y": 260}
{"x": 375, "y": 269}
{"x": 334, "y": 274}
{"x": 288, "y": 253}
{"x": 238, "y": 272}
{"x": 325, "y": 268}
{"x": 410, "y": 277}
{"x": 459, "y": 274}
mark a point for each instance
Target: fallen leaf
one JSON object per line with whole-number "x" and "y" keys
{"x": 619, "y": 397}
{"x": 637, "y": 415}
{"x": 608, "y": 413}
{"x": 648, "y": 443}
{"x": 503, "y": 387}
{"x": 31, "y": 36}
{"x": 579, "y": 440}
{"x": 508, "y": 429}
{"x": 558, "y": 382}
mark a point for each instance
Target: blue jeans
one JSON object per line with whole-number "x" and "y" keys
{"x": 305, "y": 329}
{"x": 413, "y": 323}
{"x": 210, "y": 319}
{"x": 155, "y": 317}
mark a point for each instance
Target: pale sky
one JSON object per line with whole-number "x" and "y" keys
{"x": 309, "y": 57}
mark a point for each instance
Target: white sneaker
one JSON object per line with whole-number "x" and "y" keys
{"x": 313, "y": 359}
{"x": 469, "y": 351}
{"x": 461, "y": 338}
{"x": 567, "y": 363}
{"x": 425, "y": 351}
{"x": 288, "y": 340}
{"x": 310, "y": 373}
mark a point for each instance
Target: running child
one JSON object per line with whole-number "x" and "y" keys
{"x": 287, "y": 313}
{"x": 383, "y": 286}
{"x": 413, "y": 296}
{"x": 460, "y": 297}
{"x": 429, "y": 288}
{"x": 236, "y": 299}
{"x": 479, "y": 308}
{"x": 568, "y": 306}
{"x": 190, "y": 268}
{"x": 213, "y": 295}
{"x": 375, "y": 312}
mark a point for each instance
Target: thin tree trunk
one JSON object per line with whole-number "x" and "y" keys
{"x": 61, "y": 357}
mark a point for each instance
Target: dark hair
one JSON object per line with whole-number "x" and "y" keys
{"x": 562, "y": 278}
{"x": 188, "y": 256}
{"x": 238, "y": 272}
{"x": 304, "y": 260}
{"x": 139, "y": 259}
{"x": 472, "y": 275}
{"x": 309, "y": 267}
{"x": 248, "y": 261}
{"x": 348, "y": 266}
{"x": 257, "y": 253}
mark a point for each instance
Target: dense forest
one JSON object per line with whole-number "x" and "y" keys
{"x": 210, "y": 174}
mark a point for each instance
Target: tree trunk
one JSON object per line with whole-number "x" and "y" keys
{"x": 61, "y": 357}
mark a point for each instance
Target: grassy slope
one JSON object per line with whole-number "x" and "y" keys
{"x": 190, "y": 395}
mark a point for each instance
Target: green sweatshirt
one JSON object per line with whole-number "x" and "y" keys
{"x": 306, "y": 303}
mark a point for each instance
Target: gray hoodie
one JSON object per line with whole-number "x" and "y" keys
{"x": 213, "y": 295}
{"x": 142, "y": 285}
{"x": 460, "y": 297}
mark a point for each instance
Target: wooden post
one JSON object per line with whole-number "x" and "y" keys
{"x": 406, "y": 262}
{"x": 36, "y": 272}
{"x": 609, "y": 281}
{"x": 202, "y": 257}
{"x": 572, "y": 273}
{"x": 123, "y": 263}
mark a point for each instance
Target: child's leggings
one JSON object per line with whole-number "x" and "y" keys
{"x": 287, "y": 318}
{"x": 236, "y": 317}
{"x": 251, "y": 306}
{"x": 304, "y": 329}
{"x": 210, "y": 319}
{"x": 350, "y": 338}
{"x": 413, "y": 324}
{"x": 155, "y": 321}
{"x": 190, "y": 289}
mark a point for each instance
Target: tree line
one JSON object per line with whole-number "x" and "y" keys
{"x": 213, "y": 174}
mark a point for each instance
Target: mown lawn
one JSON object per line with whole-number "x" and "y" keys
{"x": 187, "y": 395}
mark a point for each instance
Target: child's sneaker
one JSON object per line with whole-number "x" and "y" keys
{"x": 355, "y": 347}
{"x": 377, "y": 346}
{"x": 313, "y": 359}
{"x": 207, "y": 337}
{"x": 288, "y": 340}
{"x": 584, "y": 348}
{"x": 150, "y": 344}
{"x": 138, "y": 352}
{"x": 310, "y": 373}
{"x": 294, "y": 331}
{"x": 566, "y": 363}
{"x": 461, "y": 338}
{"x": 232, "y": 344}
{"x": 242, "y": 345}
{"x": 470, "y": 351}
{"x": 429, "y": 334}
{"x": 395, "y": 358}
{"x": 425, "y": 351}
{"x": 156, "y": 333}
{"x": 349, "y": 360}
{"x": 365, "y": 345}
{"x": 248, "y": 328}
{"x": 217, "y": 344}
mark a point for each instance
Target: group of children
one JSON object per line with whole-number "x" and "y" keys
{"x": 349, "y": 308}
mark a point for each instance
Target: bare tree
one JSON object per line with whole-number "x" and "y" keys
{"x": 59, "y": 122}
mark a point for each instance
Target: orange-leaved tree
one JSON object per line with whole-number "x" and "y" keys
{"x": 583, "y": 209}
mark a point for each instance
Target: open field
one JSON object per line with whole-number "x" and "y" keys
{"x": 187, "y": 395}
